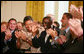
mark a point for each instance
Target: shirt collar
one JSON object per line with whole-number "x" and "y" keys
{"x": 12, "y": 31}
{"x": 67, "y": 29}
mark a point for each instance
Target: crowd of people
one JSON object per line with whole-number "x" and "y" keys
{"x": 46, "y": 37}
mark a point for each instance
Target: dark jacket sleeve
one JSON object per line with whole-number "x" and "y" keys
{"x": 12, "y": 43}
{"x": 2, "y": 39}
{"x": 37, "y": 42}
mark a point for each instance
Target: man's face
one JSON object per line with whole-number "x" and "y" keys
{"x": 46, "y": 23}
{"x": 64, "y": 21}
{"x": 12, "y": 24}
{"x": 28, "y": 25}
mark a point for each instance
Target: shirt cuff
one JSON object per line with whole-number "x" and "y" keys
{"x": 56, "y": 38}
{"x": 34, "y": 37}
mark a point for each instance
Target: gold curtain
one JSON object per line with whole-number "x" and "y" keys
{"x": 76, "y": 3}
{"x": 35, "y": 9}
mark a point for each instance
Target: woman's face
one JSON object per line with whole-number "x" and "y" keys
{"x": 19, "y": 26}
{"x": 3, "y": 27}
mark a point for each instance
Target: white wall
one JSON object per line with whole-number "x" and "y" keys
{"x": 56, "y": 10}
{"x": 5, "y": 11}
{"x": 13, "y": 9}
{"x": 63, "y": 7}
{"x": 17, "y": 9}
{"x": 49, "y": 7}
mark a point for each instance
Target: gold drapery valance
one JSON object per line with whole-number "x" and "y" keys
{"x": 35, "y": 9}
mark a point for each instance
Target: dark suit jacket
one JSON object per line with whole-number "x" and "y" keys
{"x": 75, "y": 47}
{"x": 2, "y": 40}
{"x": 69, "y": 39}
{"x": 45, "y": 47}
{"x": 11, "y": 44}
{"x": 40, "y": 42}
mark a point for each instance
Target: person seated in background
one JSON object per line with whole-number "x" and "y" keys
{"x": 20, "y": 26}
{"x": 4, "y": 26}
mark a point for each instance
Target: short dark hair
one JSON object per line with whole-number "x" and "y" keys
{"x": 48, "y": 23}
{"x": 27, "y": 18}
{"x": 12, "y": 19}
{"x": 68, "y": 15}
{"x": 57, "y": 24}
{"x": 47, "y": 17}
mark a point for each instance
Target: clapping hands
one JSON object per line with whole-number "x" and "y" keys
{"x": 8, "y": 34}
{"x": 52, "y": 32}
{"x": 75, "y": 26}
{"x": 34, "y": 28}
{"x": 76, "y": 12}
{"x": 20, "y": 34}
